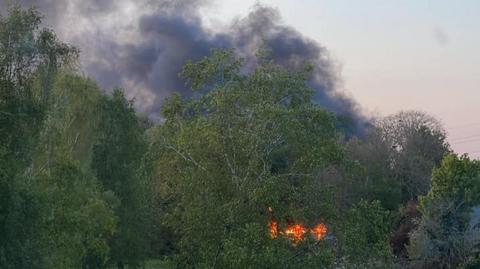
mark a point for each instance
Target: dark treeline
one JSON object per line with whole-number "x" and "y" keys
{"x": 86, "y": 182}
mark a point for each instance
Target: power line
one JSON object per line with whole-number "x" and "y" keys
{"x": 465, "y": 137}
{"x": 473, "y": 152}
{"x": 464, "y": 125}
{"x": 466, "y": 141}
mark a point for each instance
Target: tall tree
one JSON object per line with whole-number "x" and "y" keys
{"x": 252, "y": 142}
{"x": 76, "y": 216}
{"x": 29, "y": 57}
{"x": 396, "y": 157}
{"x": 53, "y": 213}
{"x": 418, "y": 144}
{"x": 117, "y": 158}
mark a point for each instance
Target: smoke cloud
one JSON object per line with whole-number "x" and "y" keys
{"x": 142, "y": 45}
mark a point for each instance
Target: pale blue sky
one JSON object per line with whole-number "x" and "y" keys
{"x": 395, "y": 55}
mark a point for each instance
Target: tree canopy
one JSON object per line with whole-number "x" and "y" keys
{"x": 249, "y": 172}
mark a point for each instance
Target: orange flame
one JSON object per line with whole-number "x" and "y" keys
{"x": 319, "y": 231}
{"x": 297, "y": 232}
{"x": 273, "y": 229}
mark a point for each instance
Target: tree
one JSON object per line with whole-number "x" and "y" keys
{"x": 365, "y": 236}
{"x": 373, "y": 177}
{"x": 29, "y": 57}
{"x": 395, "y": 158}
{"x": 446, "y": 237}
{"x": 117, "y": 158}
{"x": 252, "y": 142}
{"x": 457, "y": 178}
{"x": 76, "y": 215}
{"x": 418, "y": 144}
{"x": 57, "y": 209}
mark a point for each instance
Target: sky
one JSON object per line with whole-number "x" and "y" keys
{"x": 394, "y": 55}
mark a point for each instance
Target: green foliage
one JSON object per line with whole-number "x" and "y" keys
{"x": 417, "y": 144}
{"x": 71, "y": 219}
{"x": 71, "y": 122}
{"x": 212, "y": 71}
{"x": 78, "y": 217}
{"x": 76, "y": 221}
{"x": 117, "y": 157}
{"x": 457, "y": 178}
{"x": 394, "y": 159}
{"x": 445, "y": 237}
{"x": 28, "y": 58}
{"x": 54, "y": 213}
{"x": 19, "y": 210}
{"x": 25, "y": 47}
{"x": 246, "y": 249}
{"x": 365, "y": 235}
{"x": 372, "y": 175}
{"x": 87, "y": 183}
{"x": 251, "y": 142}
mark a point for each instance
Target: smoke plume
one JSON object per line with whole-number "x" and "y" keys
{"x": 142, "y": 45}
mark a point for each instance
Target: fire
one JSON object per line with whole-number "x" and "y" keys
{"x": 319, "y": 231}
{"x": 273, "y": 225}
{"x": 295, "y": 231}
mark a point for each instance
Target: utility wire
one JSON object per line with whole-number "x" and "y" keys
{"x": 466, "y": 141}
{"x": 459, "y": 126}
{"x": 469, "y": 137}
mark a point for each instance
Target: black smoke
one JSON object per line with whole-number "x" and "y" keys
{"x": 142, "y": 45}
